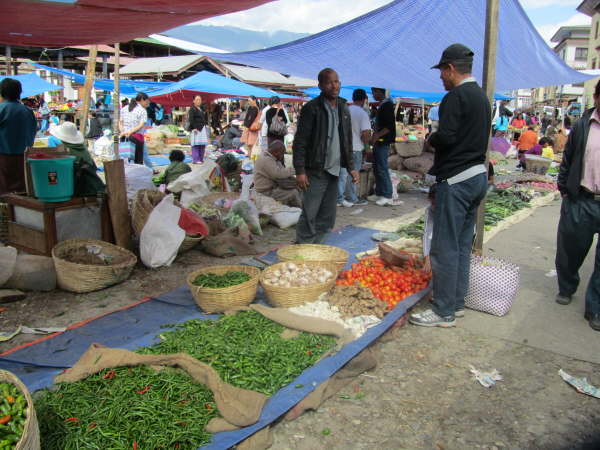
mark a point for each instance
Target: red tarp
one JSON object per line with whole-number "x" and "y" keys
{"x": 61, "y": 23}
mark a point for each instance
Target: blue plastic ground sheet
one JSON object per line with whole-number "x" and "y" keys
{"x": 138, "y": 326}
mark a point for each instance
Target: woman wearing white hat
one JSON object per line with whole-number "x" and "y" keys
{"x": 87, "y": 181}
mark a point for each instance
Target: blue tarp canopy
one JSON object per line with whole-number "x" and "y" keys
{"x": 33, "y": 84}
{"x": 428, "y": 97}
{"x": 128, "y": 88}
{"x": 395, "y": 46}
{"x": 210, "y": 86}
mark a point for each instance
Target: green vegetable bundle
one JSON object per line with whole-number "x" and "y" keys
{"x": 13, "y": 408}
{"x": 414, "y": 230}
{"x": 127, "y": 408}
{"x": 215, "y": 281}
{"x": 246, "y": 349}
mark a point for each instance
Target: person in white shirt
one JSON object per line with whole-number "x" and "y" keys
{"x": 133, "y": 119}
{"x": 361, "y": 135}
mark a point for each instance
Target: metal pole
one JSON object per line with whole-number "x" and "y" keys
{"x": 8, "y": 58}
{"x": 423, "y": 112}
{"x": 489, "y": 84}
{"x": 61, "y": 80}
{"x": 104, "y": 66}
{"x": 90, "y": 75}
{"x": 116, "y": 100}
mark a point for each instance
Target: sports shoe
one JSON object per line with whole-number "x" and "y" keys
{"x": 563, "y": 299}
{"x": 373, "y": 198}
{"x": 593, "y": 320}
{"x": 345, "y": 204}
{"x": 361, "y": 202}
{"x": 459, "y": 313}
{"x": 383, "y": 201}
{"x": 429, "y": 318}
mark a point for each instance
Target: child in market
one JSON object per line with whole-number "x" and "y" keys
{"x": 175, "y": 169}
{"x": 547, "y": 148}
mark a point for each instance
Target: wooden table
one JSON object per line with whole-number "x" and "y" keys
{"x": 41, "y": 242}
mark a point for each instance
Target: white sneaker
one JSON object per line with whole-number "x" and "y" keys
{"x": 373, "y": 198}
{"x": 346, "y": 204}
{"x": 383, "y": 201}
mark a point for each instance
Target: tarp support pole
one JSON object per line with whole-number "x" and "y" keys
{"x": 61, "y": 79}
{"x": 8, "y": 57}
{"x": 423, "y": 112}
{"x": 90, "y": 75}
{"x": 489, "y": 84}
{"x": 117, "y": 101}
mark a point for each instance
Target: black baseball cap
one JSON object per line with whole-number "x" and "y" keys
{"x": 456, "y": 52}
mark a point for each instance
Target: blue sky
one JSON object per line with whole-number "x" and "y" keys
{"x": 312, "y": 16}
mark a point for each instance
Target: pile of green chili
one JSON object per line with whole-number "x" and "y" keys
{"x": 12, "y": 415}
{"x": 215, "y": 281}
{"x": 126, "y": 408}
{"x": 140, "y": 408}
{"x": 246, "y": 349}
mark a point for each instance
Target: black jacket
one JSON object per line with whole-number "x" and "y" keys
{"x": 310, "y": 141}
{"x": 196, "y": 119}
{"x": 462, "y": 138}
{"x": 571, "y": 167}
{"x": 386, "y": 119}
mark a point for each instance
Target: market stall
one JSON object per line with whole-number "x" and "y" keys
{"x": 252, "y": 357}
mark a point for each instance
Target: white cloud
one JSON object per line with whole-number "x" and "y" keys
{"x": 547, "y": 31}
{"x": 303, "y": 16}
{"x": 533, "y": 4}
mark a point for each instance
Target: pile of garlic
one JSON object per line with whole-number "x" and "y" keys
{"x": 297, "y": 275}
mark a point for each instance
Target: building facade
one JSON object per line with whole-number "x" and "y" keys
{"x": 591, "y": 8}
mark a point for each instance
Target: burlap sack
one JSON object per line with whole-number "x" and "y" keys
{"x": 395, "y": 162}
{"x": 421, "y": 164}
{"x": 239, "y": 407}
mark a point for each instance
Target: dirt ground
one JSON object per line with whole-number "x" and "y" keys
{"x": 421, "y": 395}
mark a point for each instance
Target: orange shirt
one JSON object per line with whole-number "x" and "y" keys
{"x": 527, "y": 140}
{"x": 518, "y": 123}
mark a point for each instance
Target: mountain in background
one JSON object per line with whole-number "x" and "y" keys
{"x": 232, "y": 39}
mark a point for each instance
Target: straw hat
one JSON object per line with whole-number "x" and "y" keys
{"x": 67, "y": 132}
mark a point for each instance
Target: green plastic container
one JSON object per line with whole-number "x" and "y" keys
{"x": 52, "y": 177}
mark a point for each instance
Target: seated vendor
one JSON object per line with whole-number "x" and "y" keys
{"x": 231, "y": 138}
{"x": 273, "y": 179}
{"x": 175, "y": 169}
{"x": 87, "y": 181}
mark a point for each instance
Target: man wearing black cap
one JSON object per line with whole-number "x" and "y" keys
{"x": 461, "y": 182}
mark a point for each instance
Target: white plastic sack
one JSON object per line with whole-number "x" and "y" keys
{"x": 192, "y": 185}
{"x": 161, "y": 236}
{"x": 286, "y": 219}
{"x": 8, "y": 259}
{"x": 138, "y": 176}
{"x": 104, "y": 146}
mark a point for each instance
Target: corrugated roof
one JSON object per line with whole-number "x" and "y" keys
{"x": 161, "y": 65}
{"x": 302, "y": 82}
{"x": 253, "y": 74}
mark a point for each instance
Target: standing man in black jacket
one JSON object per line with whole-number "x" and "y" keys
{"x": 322, "y": 145}
{"x": 461, "y": 182}
{"x": 579, "y": 184}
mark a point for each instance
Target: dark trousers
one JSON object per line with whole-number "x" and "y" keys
{"x": 12, "y": 173}
{"x": 454, "y": 212}
{"x": 383, "y": 183}
{"x": 198, "y": 153}
{"x": 138, "y": 157}
{"x": 579, "y": 222}
{"x": 319, "y": 208}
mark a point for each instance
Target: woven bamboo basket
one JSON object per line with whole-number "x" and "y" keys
{"x": 287, "y": 297}
{"x": 210, "y": 199}
{"x": 77, "y": 277}
{"x": 189, "y": 242}
{"x": 30, "y": 440}
{"x": 220, "y": 300}
{"x": 314, "y": 252}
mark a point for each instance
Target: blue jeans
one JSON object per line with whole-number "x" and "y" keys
{"x": 383, "y": 183}
{"x": 454, "y": 212}
{"x": 343, "y": 184}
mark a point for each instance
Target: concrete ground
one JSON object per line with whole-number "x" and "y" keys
{"x": 422, "y": 395}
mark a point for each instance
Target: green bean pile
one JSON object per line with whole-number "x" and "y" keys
{"x": 212, "y": 280}
{"x": 126, "y": 408}
{"x": 12, "y": 415}
{"x": 246, "y": 349}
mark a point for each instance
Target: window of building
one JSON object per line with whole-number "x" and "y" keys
{"x": 581, "y": 54}
{"x": 594, "y": 63}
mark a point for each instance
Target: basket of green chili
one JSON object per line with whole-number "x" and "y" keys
{"x": 18, "y": 423}
{"x": 220, "y": 288}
